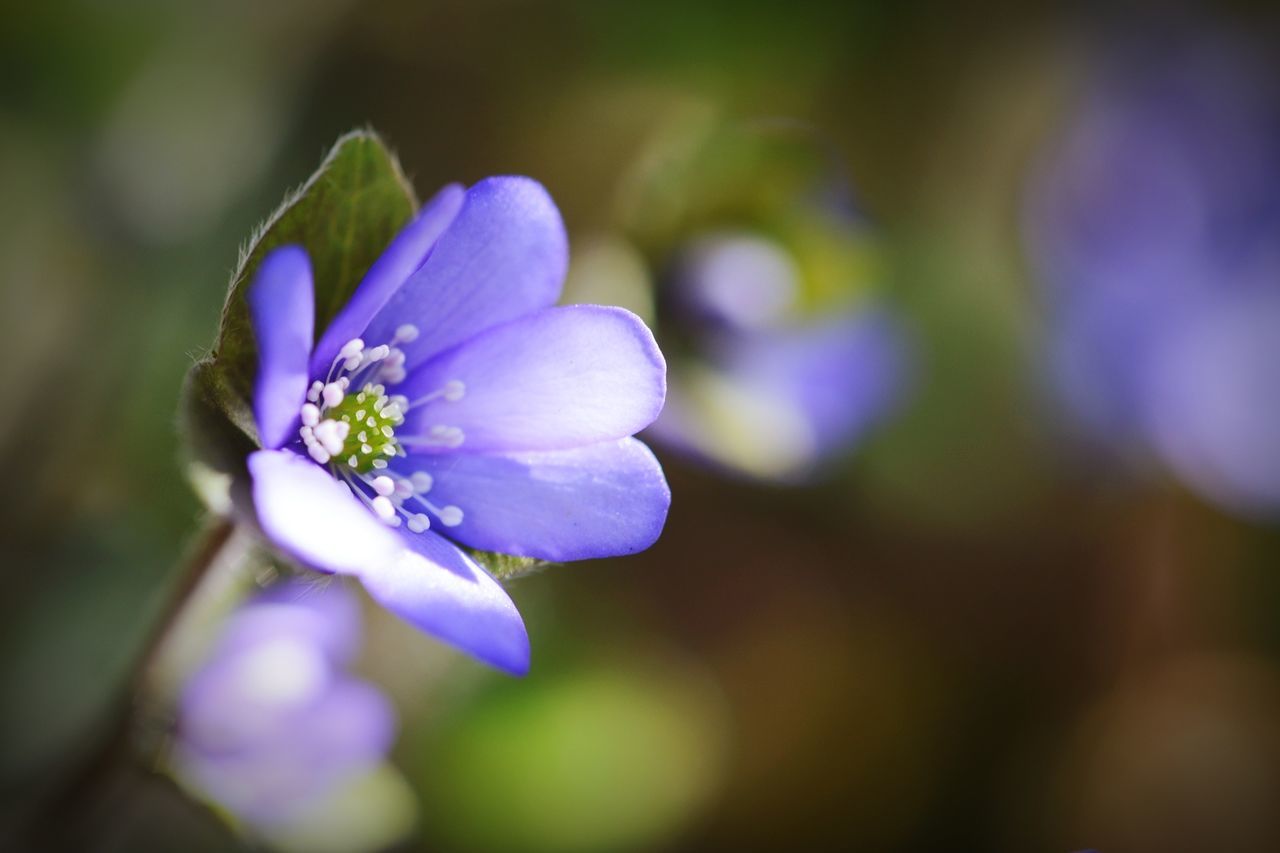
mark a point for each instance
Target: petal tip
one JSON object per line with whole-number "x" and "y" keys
{"x": 280, "y": 264}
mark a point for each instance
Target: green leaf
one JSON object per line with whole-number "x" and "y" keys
{"x": 344, "y": 216}
{"x": 506, "y": 567}
{"x": 216, "y": 423}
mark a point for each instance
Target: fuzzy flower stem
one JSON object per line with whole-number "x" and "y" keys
{"x": 82, "y": 797}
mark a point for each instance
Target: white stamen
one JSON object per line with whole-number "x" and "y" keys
{"x": 383, "y": 485}
{"x": 419, "y": 522}
{"x": 421, "y": 482}
{"x": 407, "y": 333}
{"x": 351, "y": 348}
{"x": 450, "y": 516}
{"x": 438, "y": 436}
{"x": 310, "y": 414}
{"x": 379, "y": 464}
{"x": 383, "y": 508}
{"x": 313, "y": 393}
{"x": 318, "y": 453}
{"x": 404, "y": 489}
{"x": 449, "y": 436}
{"x": 452, "y": 391}
{"x": 332, "y": 435}
{"x": 332, "y": 394}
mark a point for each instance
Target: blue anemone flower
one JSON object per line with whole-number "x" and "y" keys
{"x": 449, "y": 403}
{"x": 766, "y": 388}
{"x": 1156, "y": 229}
{"x": 763, "y": 280}
{"x": 271, "y": 726}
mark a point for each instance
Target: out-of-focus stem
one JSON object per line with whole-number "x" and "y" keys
{"x": 137, "y": 721}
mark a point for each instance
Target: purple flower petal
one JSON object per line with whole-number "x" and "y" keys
{"x": 557, "y": 379}
{"x": 405, "y": 255}
{"x": 282, "y": 309}
{"x": 315, "y": 518}
{"x": 783, "y": 402}
{"x": 306, "y": 755}
{"x": 503, "y": 256}
{"x": 440, "y": 590}
{"x": 320, "y": 610}
{"x": 238, "y": 699}
{"x": 1212, "y": 400}
{"x": 738, "y": 280}
{"x": 595, "y": 501}
{"x": 842, "y": 375}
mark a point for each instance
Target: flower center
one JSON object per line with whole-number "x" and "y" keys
{"x": 354, "y": 433}
{"x": 372, "y": 419}
{"x": 357, "y": 430}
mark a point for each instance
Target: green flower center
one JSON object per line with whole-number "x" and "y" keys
{"x": 373, "y": 419}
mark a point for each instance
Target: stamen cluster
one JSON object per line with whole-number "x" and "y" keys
{"x": 355, "y": 433}
{"x": 359, "y": 432}
{"x": 357, "y": 429}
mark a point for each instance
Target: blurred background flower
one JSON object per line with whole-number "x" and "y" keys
{"x": 970, "y": 639}
{"x": 1156, "y": 228}
{"x": 272, "y": 731}
{"x": 742, "y": 244}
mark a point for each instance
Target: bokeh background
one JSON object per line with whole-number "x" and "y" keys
{"x": 976, "y": 633}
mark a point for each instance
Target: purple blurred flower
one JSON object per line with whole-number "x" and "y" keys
{"x": 1156, "y": 228}
{"x": 271, "y": 724}
{"x": 767, "y": 387}
{"x": 743, "y": 243}
{"x": 449, "y": 402}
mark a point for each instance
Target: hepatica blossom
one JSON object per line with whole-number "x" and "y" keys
{"x": 449, "y": 404}
{"x": 1156, "y": 227}
{"x": 271, "y": 727}
{"x": 767, "y": 387}
{"x": 764, "y": 278}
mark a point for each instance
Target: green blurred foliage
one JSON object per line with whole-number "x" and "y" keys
{"x": 591, "y": 759}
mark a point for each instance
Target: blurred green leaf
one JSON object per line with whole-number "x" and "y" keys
{"x": 615, "y": 757}
{"x": 218, "y": 434}
{"x": 344, "y": 216}
{"x": 506, "y": 567}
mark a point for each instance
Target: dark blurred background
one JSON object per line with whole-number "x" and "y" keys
{"x": 974, "y": 636}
